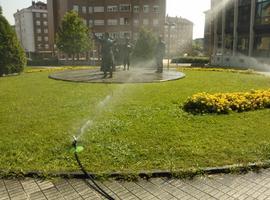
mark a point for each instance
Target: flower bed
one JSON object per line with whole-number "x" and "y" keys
{"x": 54, "y": 69}
{"x": 223, "y": 103}
{"x": 211, "y": 69}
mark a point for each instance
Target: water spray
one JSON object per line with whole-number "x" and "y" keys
{"x": 77, "y": 149}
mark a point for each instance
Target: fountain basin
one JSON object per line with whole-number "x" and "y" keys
{"x": 142, "y": 75}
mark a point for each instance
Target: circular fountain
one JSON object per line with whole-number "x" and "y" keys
{"x": 135, "y": 75}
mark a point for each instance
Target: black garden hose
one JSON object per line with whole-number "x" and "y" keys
{"x": 95, "y": 186}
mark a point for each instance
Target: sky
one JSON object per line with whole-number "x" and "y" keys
{"x": 189, "y": 9}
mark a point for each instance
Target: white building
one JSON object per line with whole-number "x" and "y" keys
{"x": 31, "y": 25}
{"x": 178, "y": 36}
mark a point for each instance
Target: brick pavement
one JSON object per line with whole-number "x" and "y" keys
{"x": 221, "y": 187}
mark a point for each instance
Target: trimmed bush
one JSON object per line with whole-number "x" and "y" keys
{"x": 50, "y": 62}
{"x": 12, "y": 56}
{"x": 192, "y": 60}
{"x": 223, "y": 103}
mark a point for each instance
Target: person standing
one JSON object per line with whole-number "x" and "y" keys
{"x": 106, "y": 54}
{"x": 127, "y": 48}
{"x": 159, "y": 54}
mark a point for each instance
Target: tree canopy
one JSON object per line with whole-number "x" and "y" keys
{"x": 145, "y": 45}
{"x": 73, "y": 36}
{"x": 12, "y": 56}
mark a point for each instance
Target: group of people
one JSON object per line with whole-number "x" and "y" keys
{"x": 111, "y": 52}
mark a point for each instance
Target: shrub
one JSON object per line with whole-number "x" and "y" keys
{"x": 12, "y": 56}
{"x": 145, "y": 46}
{"x": 223, "y": 103}
{"x": 192, "y": 60}
{"x": 40, "y": 62}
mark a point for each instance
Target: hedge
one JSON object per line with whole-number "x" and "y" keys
{"x": 192, "y": 60}
{"x": 53, "y": 62}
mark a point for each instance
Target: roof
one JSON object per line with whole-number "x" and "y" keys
{"x": 178, "y": 20}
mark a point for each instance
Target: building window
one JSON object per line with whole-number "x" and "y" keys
{"x": 136, "y": 9}
{"x": 99, "y": 22}
{"x": 46, "y": 46}
{"x": 38, "y": 23}
{"x": 91, "y": 22}
{"x": 112, "y": 22}
{"x": 45, "y": 15}
{"x": 263, "y": 12}
{"x": 243, "y": 2}
{"x": 84, "y": 22}
{"x": 90, "y": 9}
{"x": 84, "y": 9}
{"x": 76, "y": 8}
{"x": 38, "y": 30}
{"x": 45, "y": 30}
{"x": 136, "y": 22}
{"x": 155, "y": 22}
{"x": 39, "y": 46}
{"x": 135, "y": 36}
{"x": 146, "y": 8}
{"x": 45, "y": 23}
{"x": 146, "y": 22}
{"x": 114, "y": 35}
{"x": 124, "y": 21}
{"x": 229, "y": 16}
{"x": 125, "y": 34}
{"x": 263, "y": 42}
{"x": 112, "y": 8}
{"x": 39, "y": 38}
{"x": 37, "y": 15}
{"x": 99, "y": 34}
{"x": 98, "y": 9}
{"x": 46, "y": 38}
{"x": 124, "y": 8}
{"x": 243, "y": 44}
{"x": 244, "y": 15}
{"x": 156, "y": 9}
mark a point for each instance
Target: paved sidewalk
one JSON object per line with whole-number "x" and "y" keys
{"x": 246, "y": 186}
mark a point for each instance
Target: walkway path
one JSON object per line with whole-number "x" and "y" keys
{"x": 246, "y": 186}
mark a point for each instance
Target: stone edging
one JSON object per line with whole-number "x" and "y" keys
{"x": 144, "y": 174}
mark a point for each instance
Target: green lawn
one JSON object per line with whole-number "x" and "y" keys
{"x": 141, "y": 127}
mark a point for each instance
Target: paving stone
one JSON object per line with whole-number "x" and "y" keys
{"x": 221, "y": 187}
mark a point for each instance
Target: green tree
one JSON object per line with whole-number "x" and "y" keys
{"x": 145, "y": 46}
{"x": 12, "y": 56}
{"x": 73, "y": 35}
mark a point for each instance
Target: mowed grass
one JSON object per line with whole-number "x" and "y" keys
{"x": 134, "y": 127}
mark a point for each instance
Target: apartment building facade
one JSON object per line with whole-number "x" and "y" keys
{"x": 238, "y": 32}
{"x": 31, "y": 26}
{"x": 178, "y": 35}
{"x": 121, "y": 18}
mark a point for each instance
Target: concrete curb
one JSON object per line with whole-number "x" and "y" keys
{"x": 237, "y": 168}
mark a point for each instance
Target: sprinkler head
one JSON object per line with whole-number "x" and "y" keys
{"x": 75, "y": 141}
{"x": 75, "y": 148}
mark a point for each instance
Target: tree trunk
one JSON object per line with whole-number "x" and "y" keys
{"x": 73, "y": 60}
